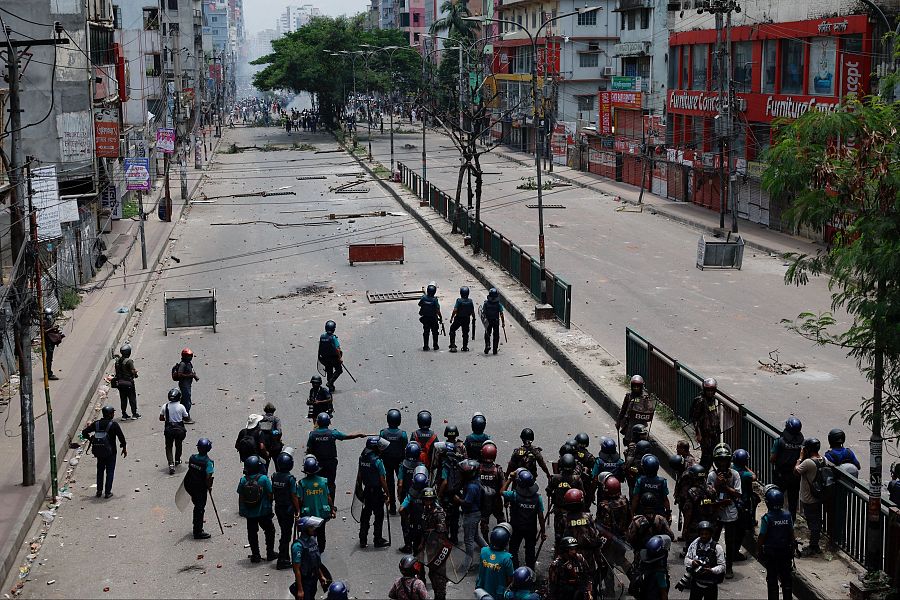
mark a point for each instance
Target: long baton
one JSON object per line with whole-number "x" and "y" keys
{"x": 349, "y": 373}
{"x": 216, "y": 511}
{"x": 506, "y": 339}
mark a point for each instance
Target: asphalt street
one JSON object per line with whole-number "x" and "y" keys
{"x": 279, "y": 266}
{"x": 637, "y": 269}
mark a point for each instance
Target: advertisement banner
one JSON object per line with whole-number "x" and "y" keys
{"x": 106, "y": 132}
{"x": 165, "y": 140}
{"x": 562, "y": 137}
{"x": 761, "y": 108}
{"x": 45, "y": 199}
{"x": 855, "y": 72}
{"x": 109, "y": 200}
{"x": 623, "y": 83}
{"x": 604, "y": 123}
{"x": 137, "y": 174}
{"x": 75, "y": 131}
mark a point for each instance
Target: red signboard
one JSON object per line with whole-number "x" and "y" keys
{"x": 760, "y": 108}
{"x": 605, "y": 120}
{"x": 609, "y": 100}
{"x": 855, "y": 70}
{"x": 106, "y": 132}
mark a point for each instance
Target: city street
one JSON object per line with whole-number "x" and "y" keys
{"x": 280, "y": 269}
{"x": 637, "y": 269}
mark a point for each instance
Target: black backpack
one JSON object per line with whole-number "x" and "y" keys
{"x": 101, "y": 445}
{"x": 247, "y": 445}
{"x": 824, "y": 481}
{"x": 252, "y": 492}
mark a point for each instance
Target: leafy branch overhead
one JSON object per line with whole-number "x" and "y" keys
{"x": 839, "y": 172}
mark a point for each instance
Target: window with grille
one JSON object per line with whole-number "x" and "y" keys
{"x": 588, "y": 60}
{"x": 585, "y": 103}
{"x": 587, "y": 19}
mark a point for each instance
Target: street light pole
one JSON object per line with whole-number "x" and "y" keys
{"x": 539, "y": 130}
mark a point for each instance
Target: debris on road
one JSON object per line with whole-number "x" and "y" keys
{"x": 774, "y": 365}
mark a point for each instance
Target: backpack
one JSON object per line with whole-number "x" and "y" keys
{"x": 252, "y": 492}
{"x": 824, "y": 481}
{"x": 100, "y": 442}
{"x": 175, "y": 372}
{"x": 247, "y": 444}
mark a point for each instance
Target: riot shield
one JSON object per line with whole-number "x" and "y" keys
{"x": 615, "y": 550}
{"x": 437, "y": 550}
{"x": 182, "y": 498}
{"x": 356, "y": 504}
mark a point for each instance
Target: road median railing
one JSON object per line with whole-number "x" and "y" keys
{"x": 676, "y": 385}
{"x": 519, "y": 264}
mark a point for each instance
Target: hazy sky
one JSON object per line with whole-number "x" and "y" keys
{"x": 261, "y": 14}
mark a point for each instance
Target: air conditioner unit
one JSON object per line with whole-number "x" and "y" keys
{"x": 607, "y": 71}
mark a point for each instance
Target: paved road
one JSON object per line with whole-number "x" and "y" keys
{"x": 637, "y": 269}
{"x": 271, "y": 308}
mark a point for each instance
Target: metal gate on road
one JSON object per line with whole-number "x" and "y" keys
{"x": 188, "y": 309}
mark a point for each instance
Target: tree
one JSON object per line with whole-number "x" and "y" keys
{"x": 302, "y": 61}
{"x": 843, "y": 169}
{"x": 454, "y": 21}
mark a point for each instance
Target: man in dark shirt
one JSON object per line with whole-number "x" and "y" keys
{"x": 103, "y": 434}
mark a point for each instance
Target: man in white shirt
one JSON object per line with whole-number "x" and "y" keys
{"x": 727, "y": 484}
{"x": 706, "y": 559}
{"x": 173, "y": 414}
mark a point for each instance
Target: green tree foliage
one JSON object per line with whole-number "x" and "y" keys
{"x": 843, "y": 168}
{"x": 302, "y": 61}
{"x": 454, "y": 21}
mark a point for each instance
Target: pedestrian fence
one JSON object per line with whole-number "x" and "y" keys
{"x": 519, "y": 264}
{"x": 676, "y": 385}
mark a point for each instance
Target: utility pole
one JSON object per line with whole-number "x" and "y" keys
{"x": 20, "y": 298}
{"x": 719, "y": 129}
{"x": 179, "y": 123}
{"x": 730, "y": 115}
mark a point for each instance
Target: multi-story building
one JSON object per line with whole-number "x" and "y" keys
{"x": 71, "y": 99}
{"x": 216, "y": 15}
{"x": 787, "y": 58}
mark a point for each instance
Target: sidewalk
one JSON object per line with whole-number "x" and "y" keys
{"x": 600, "y": 374}
{"x": 92, "y": 331}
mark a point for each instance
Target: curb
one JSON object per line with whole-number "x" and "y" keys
{"x": 10, "y": 550}
{"x": 703, "y": 227}
{"x": 803, "y": 588}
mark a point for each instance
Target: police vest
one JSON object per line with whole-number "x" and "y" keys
{"x": 778, "y": 531}
{"x": 491, "y": 477}
{"x": 428, "y": 306}
{"x": 524, "y": 510}
{"x": 465, "y": 308}
{"x": 525, "y": 457}
{"x": 395, "y": 450}
{"x": 311, "y": 558}
{"x": 491, "y": 309}
{"x": 283, "y": 489}
{"x": 560, "y": 487}
{"x": 409, "y": 469}
{"x": 640, "y": 410}
{"x": 195, "y": 478}
{"x": 473, "y": 444}
{"x": 654, "y": 485}
{"x": 789, "y": 451}
{"x": 414, "y": 511}
{"x": 323, "y": 445}
{"x": 610, "y": 463}
{"x": 454, "y": 477}
{"x": 585, "y": 458}
{"x": 707, "y": 555}
{"x": 327, "y": 352}
{"x": 368, "y": 469}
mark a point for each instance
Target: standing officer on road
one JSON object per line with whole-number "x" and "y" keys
{"x": 528, "y": 456}
{"x": 306, "y": 560}
{"x": 707, "y": 559}
{"x": 322, "y": 443}
{"x": 776, "y": 545}
{"x": 173, "y": 414}
{"x": 566, "y": 480}
{"x": 198, "y": 482}
{"x": 569, "y": 576}
{"x": 315, "y": 500}
{"x": 372, "y": 490}
{"x": 53, "y": 337}
{"x": 320, "y": 399}
{"x": 727, "y": 484}
{"x": 430, "y": 316}
{"x": 434, "y": 533}
{"x": 496, "y": 570}
{"x": 474, "y": 440}
{"x": 492, "y": 317}
{"x": 526, "y": 514}
{"x": 424, "y": 437}
{"x": 463, "y": 312}
{"x": 650, "y": 482}
{"x": 287, "y": 505}
{"x": 783, "y": 456}
{"x": 103, "y": 434}
{"x": 255, "y": 504}
{"x": 330, "y": 354}
{"x": 393, "y": 454}
{"x": 638, "y": 408}
{"x": 124, "y": 381}
{"x": 613, "y": 510}
{"x": 185, "y": 375}
{"x": 706, "y": 421}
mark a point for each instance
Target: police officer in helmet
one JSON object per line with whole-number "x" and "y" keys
{"x": 463, "y": 312}
{"x": 198, "y": 482}
{"x": 393, "y": 454}
{"x": 570, "y": 576}
{"x": 527, "y": 456}
{"x": 638, "y": 408}
{"x": 492, "y": 318}
{"x": 704, "y": 416}
{"x": 783, "y": 456}
{"x": 287, "y": 505}
{"x": 331, "y": 355}
{"x": 496, "y": 571}
{"x": 775, "y": 544}
{"x": 322, "y": 443}
{"x": 430, "y": 316}
{"x": 319, "y": 400}
{"x": 526, "y": 514}
{"x": 372, "y": 490}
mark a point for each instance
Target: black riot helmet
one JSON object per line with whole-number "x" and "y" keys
{"x": 812, "y": 444}
{"x": 424, "y": 419}
{"x": 451, "y": 432}
{"x": 330, "y": 326}
{"x": 642, "y": 447}
{"x": 583, "y": 440}
{"x": 464, "y": 292}
{"x": 394, "y": 418}
{"x": 836, "y": 438}
{"x": 125, "y": 350}
{"x": 493, "y": 293}
{"x": 107, "y": 412}
{"x": 478, "y": 423}
{"x": 527, "y": 435}
{"x": 567, "y": 462}
{"x": 174, "y": 395}
{"x": 431, "y": 290}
